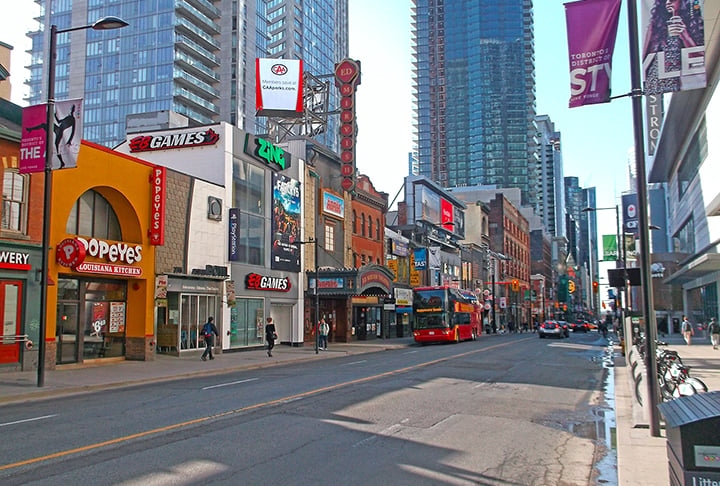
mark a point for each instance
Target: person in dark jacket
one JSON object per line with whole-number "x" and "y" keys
{"x": 209, "y": 331}
{"x": 270, "y": 335}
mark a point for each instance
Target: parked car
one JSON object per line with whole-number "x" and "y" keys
{"x": 580, "y": 326}
{"x": 552, "y": 329}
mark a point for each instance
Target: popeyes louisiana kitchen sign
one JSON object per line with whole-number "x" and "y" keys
{"x": 149, "y": 143}
{"x": 14, "y": 260}
{"x": 116, "y": 258}
{"x": 156, "y": 233}
{"x": 253, "y": 281}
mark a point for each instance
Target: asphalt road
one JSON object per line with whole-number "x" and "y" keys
{"x": 520, "y": 411}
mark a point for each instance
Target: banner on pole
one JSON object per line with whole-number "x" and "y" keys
{"x": 610, "y": 248}
{"x": 673, "y": 46}
{"x": 591, "y": 29}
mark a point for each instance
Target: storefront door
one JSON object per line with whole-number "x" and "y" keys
{"x": 10, "y": 293}
{"x": 90, "y": 319}
{"x": 194, "y": 311}
{"x": 247, "y": 323}
{"x": 67, "y": 332}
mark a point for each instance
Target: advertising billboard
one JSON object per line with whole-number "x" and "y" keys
{"x": 279, "y": 87}
{"x": 285, "y": 224}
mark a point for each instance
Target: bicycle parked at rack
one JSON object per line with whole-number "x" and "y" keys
{"x": 674, "y": 378}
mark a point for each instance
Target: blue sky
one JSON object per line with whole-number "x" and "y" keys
{"x": 595, "y": 139}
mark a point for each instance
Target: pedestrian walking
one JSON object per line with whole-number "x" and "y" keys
{"x": 270, "y": 335}
{"x": 714, "y": 331}
{"x": 209, "y": 331}
{"x": 687, "y": 330}
{"x": 324, "y": 330}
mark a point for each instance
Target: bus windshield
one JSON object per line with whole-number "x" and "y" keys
{"x": 434, "y": 320}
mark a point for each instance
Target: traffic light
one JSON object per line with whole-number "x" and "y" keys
{"x": 596, "y": 286}
{"x": 515, "y": 285}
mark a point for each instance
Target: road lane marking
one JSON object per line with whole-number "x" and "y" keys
{"x": 257, "y": 406}
{"x": 228, "y": 384}
{"x": 33, "y": 419}
{"x": 354, "y": 363}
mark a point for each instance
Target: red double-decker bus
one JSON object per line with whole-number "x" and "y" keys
{"x": 445, "y": 314}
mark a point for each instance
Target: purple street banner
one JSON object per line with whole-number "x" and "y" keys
{"x": 591, "y": 29}
{"x": 32, "y": 143}
{"x": 673, "y": 45}
{"x": 66, "y": 136}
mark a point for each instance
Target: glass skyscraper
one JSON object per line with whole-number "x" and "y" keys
{"x": 193, "y": 57}
{"x": 475, "y": 93}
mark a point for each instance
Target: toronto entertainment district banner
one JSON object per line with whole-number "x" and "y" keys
{"x": 65, "y": 137}
{"x": 591, "y": 29}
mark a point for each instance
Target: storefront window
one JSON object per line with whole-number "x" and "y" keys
{"x": 246, "y": 322}
{"x": 702, "y": 303}
{"x": 194, "y": 311}
{"x": 249, "y": 186}
{"x": 90, "y": 319}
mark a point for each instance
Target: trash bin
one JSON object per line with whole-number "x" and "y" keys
{"x": 692, "y": 426}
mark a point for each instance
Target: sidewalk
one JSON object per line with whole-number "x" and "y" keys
{"x": 642, "y": 459}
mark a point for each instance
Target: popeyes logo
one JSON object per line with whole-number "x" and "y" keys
{"x": 71, "y": 252}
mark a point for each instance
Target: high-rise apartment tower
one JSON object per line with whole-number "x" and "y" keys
{"x": 475, "y": 93}
{"x": 193, "y": 57}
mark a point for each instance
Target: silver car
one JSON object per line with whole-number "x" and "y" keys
{"x": 552, "y": 329}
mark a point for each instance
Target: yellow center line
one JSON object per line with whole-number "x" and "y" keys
{"x": 270, "y": 403}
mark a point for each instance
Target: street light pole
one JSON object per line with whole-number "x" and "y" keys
{"x": 105, "y": 23}
{"x": 317, "y": 298}
{"x": 643, "y": 219}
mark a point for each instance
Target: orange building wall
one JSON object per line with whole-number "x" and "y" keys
{"x": 125, "y": 182}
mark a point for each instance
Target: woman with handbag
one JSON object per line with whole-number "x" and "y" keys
{"x": 270, "y": 335}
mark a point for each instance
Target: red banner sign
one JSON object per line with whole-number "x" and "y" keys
{"x": 157, "y": 207}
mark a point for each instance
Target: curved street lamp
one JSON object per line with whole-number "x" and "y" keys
{"x": 105, "y": 23}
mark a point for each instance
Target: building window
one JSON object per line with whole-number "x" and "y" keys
{"x": 249, "y": 185}
{"x": 14, "y": 201}
{"x": 362, "y": 225}
{"x": 694, "y": 157}
{"x": 370, "y": 227}
{"x": 377, "y": 229}
{"x": 93, "y": 216}
{"x": 684, "y": 240}
{"x": 354, "y": 222}
{"x": 329, "y": 237}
